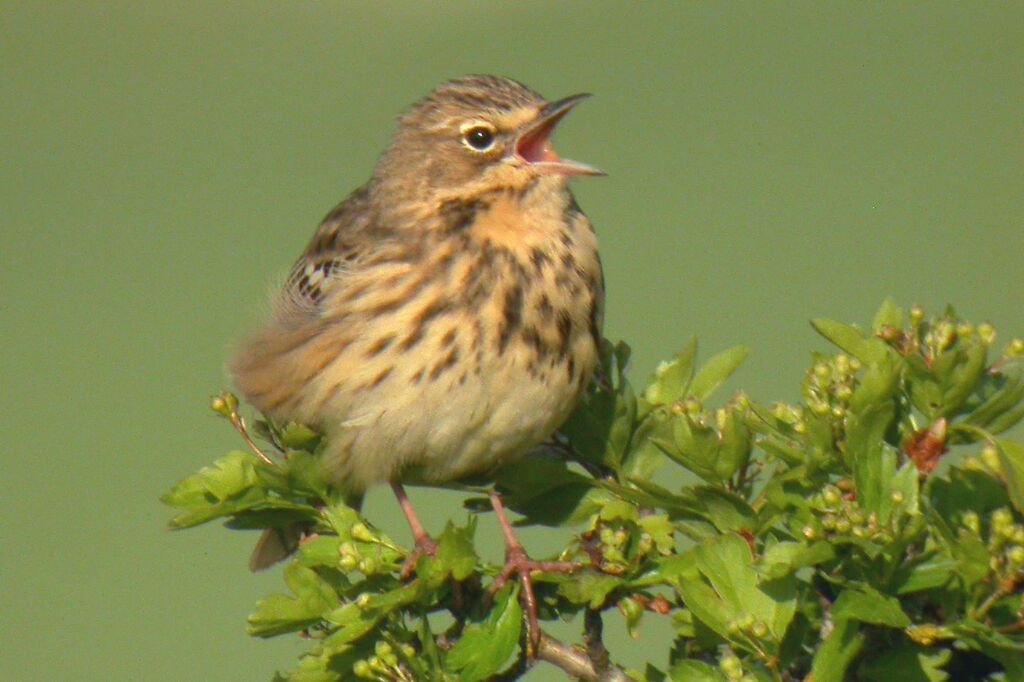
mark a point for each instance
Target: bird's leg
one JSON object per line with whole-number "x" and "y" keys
{"x": 517, "y": 561}
{"x": 424, "y": 543}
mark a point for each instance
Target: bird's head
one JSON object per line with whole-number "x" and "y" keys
{"x": 475, "y": 134}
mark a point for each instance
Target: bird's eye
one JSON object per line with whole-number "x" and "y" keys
{"x": 479, "y": 138}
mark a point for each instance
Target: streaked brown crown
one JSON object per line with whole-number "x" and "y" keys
{"x": 427, "y": 156}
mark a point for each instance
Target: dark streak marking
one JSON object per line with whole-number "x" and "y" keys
{"x": 449, "y": 361}
{"x": 380, "y": 377}
{"x": 512, "y": 316}
{"x": 379, "y": 345}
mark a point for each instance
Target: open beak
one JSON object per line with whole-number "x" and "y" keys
{"x": 534, "y": 144}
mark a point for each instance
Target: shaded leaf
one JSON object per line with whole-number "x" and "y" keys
{"x": 484, "y": 647}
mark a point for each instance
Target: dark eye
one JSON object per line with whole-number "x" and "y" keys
{"x": 479, "y": 138}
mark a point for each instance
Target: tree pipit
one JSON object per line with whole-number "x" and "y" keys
{"x": 446, "y": 315}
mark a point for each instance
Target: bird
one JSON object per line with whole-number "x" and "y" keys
{"x": 446, "y": 316}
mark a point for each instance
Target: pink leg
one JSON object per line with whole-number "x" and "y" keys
{"x": 517, "y": 561}
{"x": 424, "y": 543}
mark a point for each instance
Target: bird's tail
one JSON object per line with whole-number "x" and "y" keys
{"x": 278, "y": 543}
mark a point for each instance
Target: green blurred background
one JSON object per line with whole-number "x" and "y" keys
{"x": 162, "y": 164}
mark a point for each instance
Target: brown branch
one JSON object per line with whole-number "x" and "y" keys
{"x": 575, "y": 662}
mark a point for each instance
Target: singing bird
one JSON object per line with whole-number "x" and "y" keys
{"x": 446, "y": 316}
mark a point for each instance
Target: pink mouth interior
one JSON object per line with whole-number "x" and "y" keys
{"x": 535, "y": 145}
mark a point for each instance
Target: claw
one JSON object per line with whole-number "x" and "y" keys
{"x": 519, "y": 563}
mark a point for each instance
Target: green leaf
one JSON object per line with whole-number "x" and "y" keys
{"x": 726, "y": 563}
{"x": 694, "y": 671}
{"x": 716, "y": 370}
{"x": 278, "y": 613}
{"x": 852, "y": 340}
{"x": 934, "y": 570}
{"x": 1011, "y": 456}
{"x": 588, "y": 587}
{"x": 455, "y": 553}
{"x": 906, "y": 663}
{"x": 838, "y": 650}
{"x": 484, "y": 647}
{"x": 867, "y": 605}
{"x": 671, "y": 380}
{"x": 227, "y": 486}
{"x": 888, "y": 315}
{"x": 783, "y": 558}
{"x": 728, "y": 511}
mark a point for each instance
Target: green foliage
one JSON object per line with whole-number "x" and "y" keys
{"x": 816, "y": 538}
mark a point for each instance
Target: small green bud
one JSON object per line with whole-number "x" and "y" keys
{"x": 916, "y": 315}
{"x": 1016, "y": 555}
{"x": 368, "y": 566}
{"x": 842, "y": 526}
{"x": 691, "y": 405}
{"x": 361, "y": 668}
{"x": 408, "y": 650}
{"x": 1018, "y": 534}
{"x": 382, "y": 648}
{"x": 1001, "y": 518}
{"x": 964, "y": 330}
{"x": 746, "y": 621}
{"x": 363, "y": 600}
{"x": 859, "y": 532}
{"x": 759, "y": 629}
{"x": 808, "y": 532}
{"x": 971, "y": 522}
{"x": 855, "y": 515}
{"x": 855, "y": 364}
{"x": 842, "y": 363}
{"x": 1014, "y": 348}
{"x": 348, "y": 549}
{"x": 818, "y": 407}
{"x": 838, "y": 411}
{"x": 990, "y": 458}
{"x": 828, "y": 522}
{"x": 361, "y": 532}
{"x": 607, "y": 536}
{"x": 987, "y": 333}
{"x": 800, "y": 427}
{"x": 731, "y": 666}
{"x": 733, "y": 627}
{"x": 377, "y": 664}
{"x": 348, "y": 562}
{"x": 831, "y": 495}
{"x": 843, "y": 392}
{"x": 822, "y": 371}
{"x": 896, "y": 496}
{"x": 224, "y": 403}
{"x": 972, "y": 463}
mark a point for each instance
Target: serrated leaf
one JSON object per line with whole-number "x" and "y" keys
{"x": 851, "y": 340}
{"x": 278, "y": 613}
{"x": 868, "y": 605}
{"x": 716, "y": 370}
{"x": 1011, "y": 456}
{"x": 726, "y": 563}
{"x": 671, "y": 380}
{"x": 227, "y": 486}
{"x": 455, "y": 552}
{"x": 694, "y": 671}
{"x": 483, "y": 648}
{"x": 783, "y": 558}
{"x": 888, "y": 315}
{"x": 588, "y": 587}
{"x": 838, "y": 650}
{"x": 906, "y": 663}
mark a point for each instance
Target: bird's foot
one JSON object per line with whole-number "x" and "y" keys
{"x": 517, "y": 562}
{"x": 425, "y": 546}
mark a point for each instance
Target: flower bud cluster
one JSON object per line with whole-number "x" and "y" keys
{"x": 356, "y": 554}
{"x": 732, "y": 668}
{"x": 830, "y": 383}
{"x": 840, "y": 517}
{"x": 1005, "y": 539}
{"x": 384, "y": 664}
{"x": 986, "y": 461}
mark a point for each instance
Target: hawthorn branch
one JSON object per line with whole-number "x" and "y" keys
{"x": 577, "y": 663}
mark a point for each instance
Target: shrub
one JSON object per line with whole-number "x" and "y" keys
{"x": 811, "y": 540}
